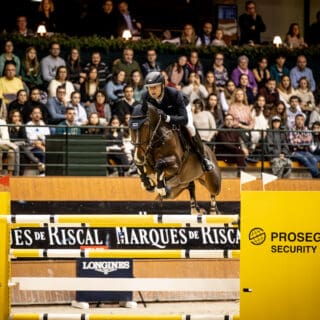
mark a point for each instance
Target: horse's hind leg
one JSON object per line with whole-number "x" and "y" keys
{"x": 194, "y": 206}
{"x": 213, "y": 205}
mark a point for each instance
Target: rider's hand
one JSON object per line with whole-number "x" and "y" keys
{"x": 163, "y": 115}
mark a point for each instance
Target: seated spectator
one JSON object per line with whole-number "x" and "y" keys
{"x": 60, "y": 81}
{"x": 206, "y": 36}
{"x": 210, "y": 83}
{"x": 218, "y": 40}
{"x": 214, "y": 108}
{"x": 226, "y": 95}
{"x": 195, "y": 90}
{"x": 89, "y": 87}
{"x": 115, "y": 147}
{"x": 21, "y": 27}
{"x": 315, "y": 143}
{"x": 261, "y": 72}
{"x": 244, "y": 85}
{"x": 314, "y": 116}
{"x": 229, "y": 146}
{"x": 280, "y": 110}
{"x": 242, "y": 68}
{"x": 3, "y": 110}
{"x": 114, "y": 87}
{"x": 101, "y": 66}
{"x": 285, "y": 89}
{"x": 125, "y": 21}
{"x": 57, "y": 106}
{"x": 151, "y": 64}
{"x": 204, "y": 121}
{"x": 188, "y": 35}
{"x": 10, "y": 84}
{"x": 270, "y": 92}
{"x": 300, "y": 139}
{"x": 105, "y": 23}
{"x": 69, "y": 125}
{"x": 80, "y": 117}
{"x": 101, "y": 107}
{"x": 30, "y": 69}
{"x": 95, "y": 125}
{"x": 73, "y": 63}
{"x": 177, "y": 72}
{"x": 137, "y": 83}
{"x": 194, "y": 65}
{"x": 20, "y": 103}
{"x": 8, "y": 148}
{"x": 47, "y": 15}
{"x": 9, "y": 57}
{"x": 278, "y": 69}
{"x": 51, "y": 62}
{"x": 126, "y": 64}
{"x": 37, "y": 131}
{"x": 293, "y": 38}
{"x": 293, "y": 111}
{"x": 125, "y": 105}
{"x": 277, "y": 149}
{"x": 301, "y": 70}
{"x": 219, "y": 70}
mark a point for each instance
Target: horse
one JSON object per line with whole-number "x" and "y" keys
{"x": 165, "y": 161}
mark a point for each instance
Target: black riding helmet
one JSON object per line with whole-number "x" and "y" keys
{"x": 154, "y": 78}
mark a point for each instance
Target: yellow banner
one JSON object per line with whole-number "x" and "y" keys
{"x": 5, "y": 203}
{"x": 280, "y": 255}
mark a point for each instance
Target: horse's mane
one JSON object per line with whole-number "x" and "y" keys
{"x": 153, "y": 115}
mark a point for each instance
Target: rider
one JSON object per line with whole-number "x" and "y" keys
{"x": 172, "y": 107}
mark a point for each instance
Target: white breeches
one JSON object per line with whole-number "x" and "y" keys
{"x": 190, "y": 126}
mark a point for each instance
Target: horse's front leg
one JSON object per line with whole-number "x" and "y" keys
{"x": 162, "y": 188}
{"x": 146, "y": 182}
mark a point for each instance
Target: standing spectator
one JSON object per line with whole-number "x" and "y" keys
{"x": 101, "y": 107}
{"x": 51, "y": 62}
{"x": 10, "y": 84}
{"x": 300, "y": 139}
{"x": 285, "y": 89}
{"x": 206, "y": 35}
{"x": 270, "y": 92}
{"x": 80, "y": 114}
{"x": 214, "y": 108}
{"x": 105, "y": 24}
{"x": 301, "y": 70}
{"x": 114, "y": 87}
{"x": 251, "y": 25}
{"x": 73, "y": 63}
{"x": 219, "y": 70}
{"x": 194, "y": 65}
{"x": 9, "y": 56}
{"x": 57, "y": 105}
{"x": 293, "y": 111}
{"x": 261, "y": 72}
{"x": 210, "y": 83}
{"x": 314, "y": 34}
{"x": 137, "y": 83}
{"x": 218, "y": 39}
{"x": 30, "y": 69}
{"x": 61, "y": 81}
{"x": 278, "y": 69}
{"x": 126, "y": 21}
{"x": 243, "y": 67}
{"x": 177, "y": 72}
{"x": 22, "y": 27}
{"x": 101, "y": 66}
{"x": 277, "y": 149}
{"x": 195, "y": 90}
{"x": 229, "y": 146}
{"x": 151, "y": 64}
{"x": 90, "y": 86}
{"x": 293, "y": 38}
{"x": 69, "y": 125}
{"x": 47, "y": 15}
{"x": 126, "y": 64}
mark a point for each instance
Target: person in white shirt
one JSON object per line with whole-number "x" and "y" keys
{"x": 80, "y": 113}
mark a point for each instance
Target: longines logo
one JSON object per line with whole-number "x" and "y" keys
{"x": 257, "y": 236}
{"x": 106, "y": 267}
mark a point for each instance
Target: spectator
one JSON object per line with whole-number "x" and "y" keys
{"x": 244, "y": 85}
{"x": 57, "y": 105}
{"x": 37, "y": 131}
{"x": 10, "y": 84}
{"x": 69, "y": 125}
{"x": 300, "y": 139}
{"x": 226, "y": 95}
{"x": 218, "y": 40}
{"x": 125, "y": 105}
{"x": 293, "y": 38}
{"x": 61, "y": 81}
{"x": 114, "y": 87}
{"x": 151, "y": 64}
{"x": 315, "y": 116}
{"x": 105, "y": 24}
{"x": 101, "y": 107}
{"x": 73, "y": 63}
{"x": 285, "y": 89}
{"x": 51, "y": 62}
{"x": 301, "y": 70}
{"x": 251, "y": 25}
{"x": 194, "y": 65}
{"x": 229, "y": 146}
{"x": 214, "y": 108}
{"x": 30, "y": 69}
{"x": 177, "y": 72}
{"x": 102, "y": 68}
{"x": 126, "y": 21}
{"x": 278, "y": 69}
{"x": 188, "y": 35}
{"x": 22, "y": 27}
{"x": 277, "y": 149}
{"x": 261, "y": 72}
{"x": 293, "y": 111}
{"x": 3, "y": 110}
{"x": 270, "y": 92}
{"x": 47, "y": 15}
{"x": 95, "y": 125}
{"x": 220, "y": 71}
{"x": 280, "y": 110}
{"x": 315, "y": 143}
{"x": 206, "y": 36}
{"x": 195, "y": 90}
{"x": 9, "y": 56}
{"x": 126, "y": 64}
{"x": 242, "y": 67}
{"x": 210, "y": 83}
{"x": 314, "y": 34}
{"x": 137, "y": 83}
{"x": 80, "y": 115}
{"x": 89, "y": 87}
{"x": 20, "y": 103}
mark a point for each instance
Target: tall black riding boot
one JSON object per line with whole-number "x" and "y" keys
{"x": 197, "y": 145}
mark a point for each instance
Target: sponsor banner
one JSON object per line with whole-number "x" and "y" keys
{"x": 53, "y": 237}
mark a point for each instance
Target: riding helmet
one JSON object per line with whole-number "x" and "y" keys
{"x": 154, "y": 78}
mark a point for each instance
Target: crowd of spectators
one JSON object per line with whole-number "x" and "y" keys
{"x": 241, "y": 113}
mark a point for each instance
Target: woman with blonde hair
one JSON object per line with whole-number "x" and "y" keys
{"x": 47, "y": 15}
{"x": 188, "y": 36}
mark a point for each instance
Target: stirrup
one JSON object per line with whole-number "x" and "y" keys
{"x": 207, "y": 164}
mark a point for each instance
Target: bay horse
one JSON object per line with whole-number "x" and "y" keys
{"x": 165, "y": 161}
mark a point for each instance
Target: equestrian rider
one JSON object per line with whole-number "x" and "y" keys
{"x": 173, "y": 109}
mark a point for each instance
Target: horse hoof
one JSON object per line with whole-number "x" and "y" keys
{"x": 164, "y": 192}
{"x": 148, "y": 187}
